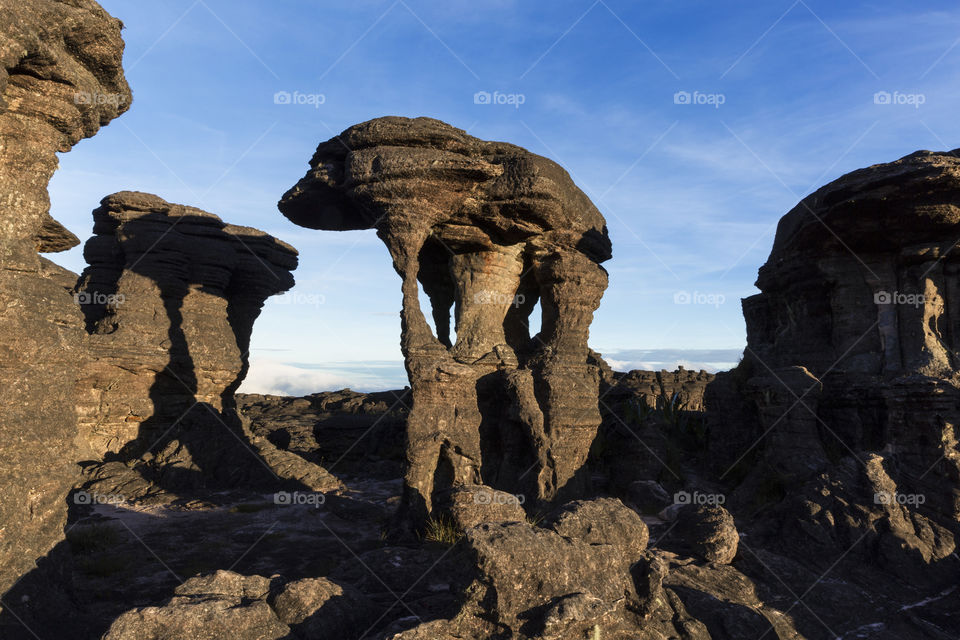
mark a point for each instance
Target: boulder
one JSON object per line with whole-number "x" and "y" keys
{"x": 470, "y": 505}
{"x": 319, "y": 608}
{"x": 708, "y": 531}
{"x": 603, "y": 521}
{"x": 220, "y": 605}
{"x": 537, "y": 580}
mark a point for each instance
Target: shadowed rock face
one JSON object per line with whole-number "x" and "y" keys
{"x": 170, "y": 298}
{"x": 60, "y": 81}
{"x": 487, "y": 230}
{"x": 859, "y": 316}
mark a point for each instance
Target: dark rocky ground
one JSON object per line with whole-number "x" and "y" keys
{"x": 698, "y": 578}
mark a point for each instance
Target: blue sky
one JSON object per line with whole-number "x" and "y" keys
{"x": 694, "y": 126}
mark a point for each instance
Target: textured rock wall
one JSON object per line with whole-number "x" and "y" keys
{"x": 853, "y": 342}
{"x": 60, "y": 81}
{"x": 170, "y": 298}
{"x": 487, "y": 230}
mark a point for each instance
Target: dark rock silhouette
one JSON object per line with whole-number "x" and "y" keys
{"x": 486, "y": 229}
{"x": 853, "y": 342}
{"x": 60, "y": 81}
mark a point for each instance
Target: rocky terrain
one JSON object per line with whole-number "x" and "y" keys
{"x": 518, "y": 488}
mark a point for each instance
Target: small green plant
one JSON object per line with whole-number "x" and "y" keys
{"x": 441, "y": 529}
{"x": 535, "y": 519}
{"x": 638, "y": 411}
{"x": 249, "y": 507}
{"x": 672, "y": 411}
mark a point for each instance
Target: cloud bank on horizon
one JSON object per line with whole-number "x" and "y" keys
{"x": 270, "y": 376}
{"x": 693, "y": 127}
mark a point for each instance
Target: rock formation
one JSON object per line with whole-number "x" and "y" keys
{"x": 60, "y": 81}
{"x": 170, "y": 298}
{"x": 488, "y": 229}
{"x": 853, "y": 342}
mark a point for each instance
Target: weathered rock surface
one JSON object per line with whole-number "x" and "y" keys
{"x": 488, "y": 229}
{"x": 709, "y": 532}
{"x": 853, "y": 342}
{"x": 837, "y": 431}
{"x": 212, "y": 607}
{"x": 319, "y": 608}
{"x": 647, "y": 417}
{"x": 603, "y": 521}
{"x": 170, "y": 298}
{"x": 60, "y": 81}
{"x": 346, "y": 430}
{"x": 586, "y": 575}
{"x": 640, "y": 385}
{"x": 471, "y": 505}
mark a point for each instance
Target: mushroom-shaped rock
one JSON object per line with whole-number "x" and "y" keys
{"x": 170, "y": 299}
{"x": 488, "y": 230}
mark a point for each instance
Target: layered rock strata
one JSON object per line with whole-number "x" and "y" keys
{"x": 487, "y": 230}
{"x": 170, "y": 298}
{"x": 853, "y": 342}
{"x": 60, "y": 81}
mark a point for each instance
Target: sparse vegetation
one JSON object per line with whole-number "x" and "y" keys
{"x": 249, "y": 507}
{"x": 441, "y": 529}
{"x": 535, "y": 519}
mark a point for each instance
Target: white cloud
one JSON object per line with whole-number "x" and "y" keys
{"x": 273, "y": 377}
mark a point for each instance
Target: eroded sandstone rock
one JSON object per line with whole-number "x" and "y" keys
{"x": 708, "y": 531}
{"x": 220, "y": 605}
{"x": 853, "y": 341}
{"x": 488, "y": 230}
{"x": 60, "y": 81}
{"x": 170, "y": 298}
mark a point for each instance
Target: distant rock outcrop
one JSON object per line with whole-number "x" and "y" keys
{"x": 853, "y": 342}
{"x": 170, "y": 298}
{"x": 489, "y": 230}
{"x": 60, "y": 81}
